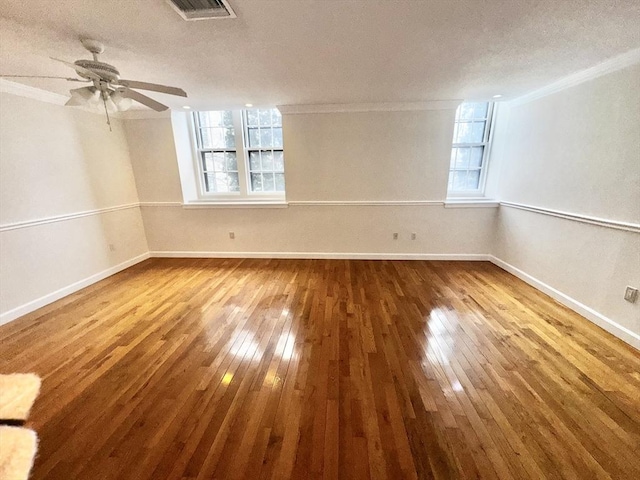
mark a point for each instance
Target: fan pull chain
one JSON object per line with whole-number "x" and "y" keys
{"x": 106, "y": 110}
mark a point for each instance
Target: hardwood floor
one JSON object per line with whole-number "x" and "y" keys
{"x": 248, "y": 369}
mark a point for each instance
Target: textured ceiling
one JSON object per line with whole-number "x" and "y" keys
{"x": 324, "y": 51}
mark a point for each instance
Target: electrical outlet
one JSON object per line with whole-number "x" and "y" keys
{"x": 395, "y": 236}
{"x": 112, "y": 247}
{"x": 232, "y": 235}
{"x": 413, "y": 236}
{"x": 631, "y": 294}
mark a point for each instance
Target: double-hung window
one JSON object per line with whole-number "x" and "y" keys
{"x": 240, "y": 154}
{"x": 264, "y": 147}
{"x": 217, "y": 153}
{"x": 469, "y": 152}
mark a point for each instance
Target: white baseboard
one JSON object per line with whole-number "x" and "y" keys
{"x": 589, "y": 313}
{"x": 68, "y": 290}
{"x": 324, "y": 255}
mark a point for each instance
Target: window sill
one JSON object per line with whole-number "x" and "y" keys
{"x": 236, "y": 204}
{"x": 471, "y": 203}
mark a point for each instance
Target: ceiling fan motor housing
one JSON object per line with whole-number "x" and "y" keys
{"x": 107, "y": 72}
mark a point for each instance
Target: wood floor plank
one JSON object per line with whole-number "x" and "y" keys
{"x": 324, "y": 369}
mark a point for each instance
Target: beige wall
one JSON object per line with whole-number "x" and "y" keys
{"x": 57, "y": 161}
{"x": 368, "y": 155}
{"x": 577, "y": 151}
{"x": 330, "y": 157}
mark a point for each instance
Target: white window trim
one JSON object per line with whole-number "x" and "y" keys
{"x": 479, "y": 193}
{"x": 245, "y": 197}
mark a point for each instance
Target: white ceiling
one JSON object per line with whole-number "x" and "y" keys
{"x": 280, "y": 52}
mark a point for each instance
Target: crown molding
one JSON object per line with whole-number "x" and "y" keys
{"x": 21, "y": 90}
{"x": 369, "y": 107}
{"x": 26, "y": 91}
{"x": 614, "y": 64}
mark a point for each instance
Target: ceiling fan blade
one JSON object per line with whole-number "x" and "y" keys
{"x": 44, "y": 76}
{"x": 78, "y": 68}
{"x": 143, "y": 99}
{"x": 154, "y": 87}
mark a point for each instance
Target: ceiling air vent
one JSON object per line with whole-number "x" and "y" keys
{"x": 202, "y": 9}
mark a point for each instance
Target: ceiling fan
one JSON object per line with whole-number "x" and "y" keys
{"x": 107, "y": 88}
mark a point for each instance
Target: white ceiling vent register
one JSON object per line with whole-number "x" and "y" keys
{"x": 202, "y": 9}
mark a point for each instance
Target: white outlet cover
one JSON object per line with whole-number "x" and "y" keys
{"x": 631, "y": 294}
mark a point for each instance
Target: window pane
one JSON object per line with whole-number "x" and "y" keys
{"x": 462, "y": 158}
{"x": 480, "y": 110}
{"x": 256, "y": 182}
{"x": 234, "y": 182}
{"x": 218, "y": 161}
{"x": 215, "y": 182}
{"x": 277, "y": 137}
{"x": 465, "y": 111}
{"x": 205, "y": 138}
{"x": 232, "y": 163}
{"x": 459, "y": 180}
{"x": 462, "y": 133}
{"x": 267, "y": 161}
{"x": 279, "y": 182}
{"x": 266, "y": 137}
{"x": 206, "y": 120}
{"x": 468, "y": 132}
{"x": 477, "y": 132}
{"x": 215, "y": 137}
{"x": 254, "y": 161}
{"x": 268, "y": 184}
{"x": 472, "y": 180}
{"x": 254, "y": 138}
{"x": 276, "y": 117}
{"x": 229, "y": 137}
{"x": 264, "y": 117}
{"x": 476, "y": 157}
{"x": 252, "y": 117}
{"x": 220, "y": 118}
{"x": 207, "y": 161}
{"x": 221, "y": 182}
{"x": 278, "y": 161}
{"x": 471, "y": 111}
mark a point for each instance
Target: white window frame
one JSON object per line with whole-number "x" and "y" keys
{"x": 486, "y": 144}
{"x": 245, "y": 195}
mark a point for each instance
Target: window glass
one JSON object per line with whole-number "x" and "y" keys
{"x": 470, "y": 142}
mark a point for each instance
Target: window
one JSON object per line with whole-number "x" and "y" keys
{"x": 471, "y": 135}
{"x": 217, "y": 151}
{"x": 238, "y": 165}
{"x": 264, "y": 146}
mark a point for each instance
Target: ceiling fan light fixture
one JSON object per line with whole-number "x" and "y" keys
{"x": 121, "y": 102}
{"x": 85, "y": 96}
